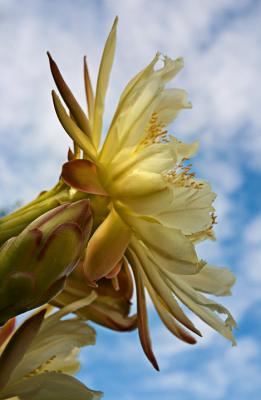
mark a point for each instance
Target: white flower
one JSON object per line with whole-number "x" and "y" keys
{"x": 38, "y": 359}
{"x": 155, "y": 209}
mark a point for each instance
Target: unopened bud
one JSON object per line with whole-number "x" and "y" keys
{"x": 34, "y": 265}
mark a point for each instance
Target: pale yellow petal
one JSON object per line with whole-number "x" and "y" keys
{"x": 184, "y": 150}
{"x": 102, "y": 83}
{"x": 169, "y": 248}
{"x": 172, "y": 101}
{"x": 191, "y": 210}
{"x": 168, "y": 319}
{"x": 138, "y": 115}
{"x": 137, "y": 183}
{"x": 73, "y": 130}
{"x": 170, "y": 68}
{"x": 143, "y": 323}
{"x": 137, "y": 81}
{"x": 149, "y": 204}
{"x": 55, "y": 341}
{"x": 157, "y": 157}
{"x": 127, "y": 98}
{"x": 136, "y": 107}
{"x": 136, "y": 118}
{"x": 202, "y": 235}
{"x": 156, "y": 280}
{"x": 50, "y": 386}
{"x": 106, "y": 247}
{"x": 203, "y": 307}
{"x": 212, "y": 280}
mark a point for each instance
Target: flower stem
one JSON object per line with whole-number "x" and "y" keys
{"x": 12, "y": 224}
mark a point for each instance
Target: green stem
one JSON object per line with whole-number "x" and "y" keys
{"x": 14, "y": 223}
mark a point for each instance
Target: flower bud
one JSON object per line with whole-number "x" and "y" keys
{"x": 34, "y": 265}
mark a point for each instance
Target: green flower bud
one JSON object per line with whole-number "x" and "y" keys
{"x": 35, "y": 264}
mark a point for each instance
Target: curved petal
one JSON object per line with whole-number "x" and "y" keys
{"x": 184, "y": 150}
{"x": 142, "y": 314}
{"x": 212, "y": 280}
{"x": 72, "y": 129}
{"x": 137, "y": 105}
{"x": 168, "y": 248}
{"x": 69, "y": 99}
{"x": 156, "y": 280}
{"x": 55, "y": 341}
{"x": 18, "y": 345}
{"x": 106, "y": 247}
{"x": 102, "y": 83}
{"x": 6, "y": 331}
{"x": 191, "y": 209}
{"x": 155, "y": 158}
{"x": 124, "y": 103}
{"x": 136, "y": 118}
{"x": 172, "y": 101}
{"x": 138, "y": 184}
{"x": 168, "y": 320}
{"x": 204, "y": 307}
{"x": 46, "y": 386}
{"x": 88, "y": 90}
{"x": 82, "y": 175}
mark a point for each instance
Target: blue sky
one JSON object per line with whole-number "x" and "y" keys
{"x": 220, "y": 42}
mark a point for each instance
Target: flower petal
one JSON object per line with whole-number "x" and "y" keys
{"x": 142, "y": 313}
{"x": 102, "y": 82}
{"x": 55, "y": 341}
{"x": 212, "y": 280}
{"x": 18, "y": 345}
{"x": 155, "y": 158}
{"x": 124, "y": 103}
{"x": 82, "y": 175}
{"x": 72, "y": 129}
{"x": 88, "y": 90}
{"x": 169, "y": 248}
{"x": 138, "y": 184}
{"x": 69, "y": 99}
{"x": 168, "y": 319}
{"x": 106, "y": 247}
{"x": 170, "y": 104}
{"x": 184, "y": 150}
{"x": 136, "y": 106}
{"x": 156, "y": 280}
{"x": 191, "y": 209}
{"x": 6, "y": 331}
{"x": 204, "y": 308}
{"x": 47, "y": 385}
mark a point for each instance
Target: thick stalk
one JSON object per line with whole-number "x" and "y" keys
{"x": 14, "y": 223}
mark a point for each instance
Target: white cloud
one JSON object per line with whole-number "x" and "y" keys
{"x": 250, "y": 262}
{"x": 235, "y": 369}
{"x": 252, "y": 233}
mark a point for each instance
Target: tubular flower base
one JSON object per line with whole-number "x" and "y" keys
{"x": 112, "y": 305}
{"x": 38, "y": 358}
{"x": 156, "y": 209}
{"x": 34, "y": 265}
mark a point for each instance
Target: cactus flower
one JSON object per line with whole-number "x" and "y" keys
{"x": 156, "y": 209}
{"x": 38, "y": 359}
{"x": 34, "y": 265}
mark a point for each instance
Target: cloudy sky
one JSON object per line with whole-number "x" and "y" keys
{"x": 220, "y": 41}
